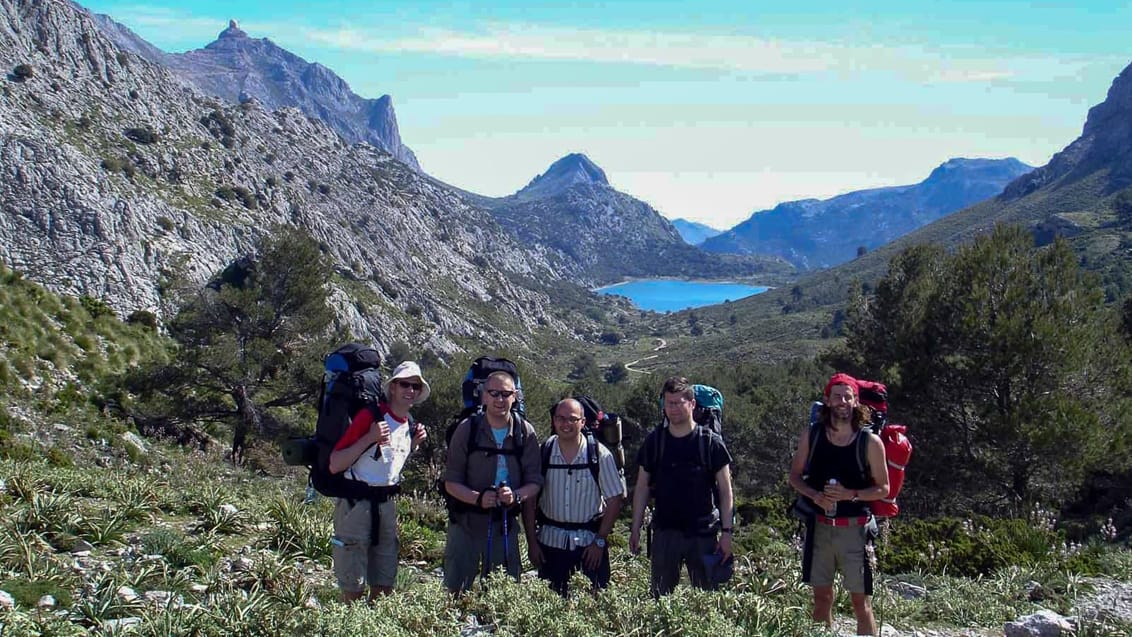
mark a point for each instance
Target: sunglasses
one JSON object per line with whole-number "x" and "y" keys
{"x": 500, "y": 393}
{"x": 405, "y": 384}
{"x": 574, "y": 420}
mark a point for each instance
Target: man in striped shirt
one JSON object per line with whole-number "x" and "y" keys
{"x": 576, "y": 508}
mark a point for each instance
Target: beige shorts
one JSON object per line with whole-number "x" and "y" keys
{"x": 841, "y": 548}
{"x": 357, "y": 563}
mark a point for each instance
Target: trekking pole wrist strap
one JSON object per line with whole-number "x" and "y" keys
{"x": 479, "y": 498}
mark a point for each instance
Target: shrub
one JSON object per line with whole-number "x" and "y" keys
{"x": 23, "y": 72}
{"x": 123, "y": 59}
{"x": 144, "y": 318}
{"x": 57, "y": 457}
{"x": 134, "y": 94}
{"x": 177, "y": 550}
{"x": 165, "y": 223}
{"x": 246, "y": 197}
{"x": 95, "y": 307}
{"x": 610, "y": 338}
{"x": 977, "y": 546}
{"x": 141, "y": 135}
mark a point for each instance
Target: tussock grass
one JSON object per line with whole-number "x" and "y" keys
{"x": 284, "y": 584}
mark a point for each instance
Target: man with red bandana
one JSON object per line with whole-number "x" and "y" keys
{"x": 836, "y": 537}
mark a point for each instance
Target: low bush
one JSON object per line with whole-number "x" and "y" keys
{"x": 23, "y": 72}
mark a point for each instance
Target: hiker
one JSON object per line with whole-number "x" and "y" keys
{"x": 365, "y": 539}
{"x": 684, "y": 466}
{"x": 580, "y": 499}
{"x": 833, "y": 480}
{"x": 491, "y": 475}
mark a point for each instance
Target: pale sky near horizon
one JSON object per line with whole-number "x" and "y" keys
{"x": 708, "y": 110}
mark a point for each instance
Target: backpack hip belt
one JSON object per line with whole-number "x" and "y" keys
{"x": 377, "y": 494}
{"x": 590, "y": 525}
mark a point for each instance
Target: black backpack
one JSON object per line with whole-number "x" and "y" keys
{"x": 605, "y": 427}
{"x": 351, "y": 381}
{"x": 472, "y": 390}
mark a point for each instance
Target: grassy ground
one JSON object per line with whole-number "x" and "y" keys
{"x": 132, "y": 541}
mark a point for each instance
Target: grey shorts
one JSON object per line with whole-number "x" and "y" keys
{"x": 466, "y": 547}
{"x": 357, "y": 563}
{"x": 839, "y": 548}
{"x": 671, "y": 549}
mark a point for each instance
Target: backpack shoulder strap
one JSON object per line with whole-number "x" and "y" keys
{"x": 658, "y": 446}
{"x": 863, "y": 452}
{"x": 815, "y": 432}
{"x": 547, "y": 448}
{"x": 593, "y": 458}
{"x": 473, "y": 434}
{"x": 704, "y": 435}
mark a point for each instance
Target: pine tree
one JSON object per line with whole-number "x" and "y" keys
{"x": 997, "y": 357}
{"x": 250, "y": 341}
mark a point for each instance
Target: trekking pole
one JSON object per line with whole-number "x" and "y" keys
{"x": 488, "y": 557}
{"x": 506, "y": 542}
{"x": 882, "y": 536}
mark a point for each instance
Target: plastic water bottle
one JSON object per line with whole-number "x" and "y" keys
{"x": 831, "y": 512}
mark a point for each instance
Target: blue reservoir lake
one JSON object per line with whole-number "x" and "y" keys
{"x": 662, "y": 295}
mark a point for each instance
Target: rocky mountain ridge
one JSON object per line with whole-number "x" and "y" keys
{"x": 1105, "y": 143}
{"x": 601, "y": 235}
{"x": 116, "y": 173}
{"x": 238, "y": 67}
{"x": 813, "y": 233}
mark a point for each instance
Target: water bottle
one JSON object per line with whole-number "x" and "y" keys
{"x": 831, "y": 512}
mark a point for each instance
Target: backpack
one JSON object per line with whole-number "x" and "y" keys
{"x": 472, "y": 390}
{"x": 351, "y": 380}
{"x": 709, "y": 408}
{"x": 897, "y": 447}
{"x": 605, "y": 427}
{"x": 472, "y": 387}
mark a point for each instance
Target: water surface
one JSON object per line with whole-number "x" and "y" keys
{"x": 662, "y": 295}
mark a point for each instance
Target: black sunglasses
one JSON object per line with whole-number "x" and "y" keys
{"x": 410, "y": 385}
{"x": 500, "y": 393}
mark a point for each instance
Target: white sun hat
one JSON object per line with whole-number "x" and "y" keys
{"x": 410, "y": 369}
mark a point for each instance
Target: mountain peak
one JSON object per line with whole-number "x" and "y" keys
{"x": 1104, "y": 144}
{"x": 967, "y": 168}
{"x": 233, "y": 31}
{"x": 571, "y": 170}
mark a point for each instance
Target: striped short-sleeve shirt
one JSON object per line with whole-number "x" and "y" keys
{"x": 571, "y": 495}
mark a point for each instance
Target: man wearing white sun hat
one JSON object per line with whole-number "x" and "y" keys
{"x": 374, "y": 450}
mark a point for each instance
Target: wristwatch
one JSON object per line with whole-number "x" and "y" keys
{"x": 599, "y": 541}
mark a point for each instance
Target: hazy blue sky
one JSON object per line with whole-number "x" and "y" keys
{"x": 706, "y": 110}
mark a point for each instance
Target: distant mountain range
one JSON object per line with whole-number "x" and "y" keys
{"x": 693, "y": 232}
{"x": 1080, "y": 196}
{"x": 603, "y": 235}
{"x": 817, "y": 234}
{"x": 237, "y": 68}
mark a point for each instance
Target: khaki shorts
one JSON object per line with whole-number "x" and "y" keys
{"x": 357, "y": 563}
{"x": 841, "y": 548}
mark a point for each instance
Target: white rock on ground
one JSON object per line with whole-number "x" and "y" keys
{"x": 1044, "y": 623}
